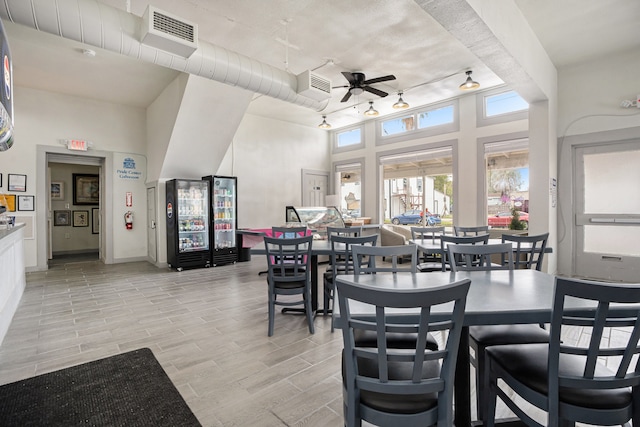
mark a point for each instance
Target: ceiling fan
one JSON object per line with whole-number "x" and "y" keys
{"x": 358, "y": 84}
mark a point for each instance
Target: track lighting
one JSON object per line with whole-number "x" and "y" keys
{"x": 469, "y": 83}
{"x": 400, "y": 104}
{"x": 324, "y": 124}
{"x": 371, "y": 111}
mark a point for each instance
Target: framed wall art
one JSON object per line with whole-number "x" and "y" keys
{"x": 80, "y": 218}
{"x": 57, "y": 190}
{"x": 86, "y": 189}
{"x": 17, "y": 182}
{"x": 62, "y": 218}
{"x": 8, "y": 200}
{"x": 26, "y": 203}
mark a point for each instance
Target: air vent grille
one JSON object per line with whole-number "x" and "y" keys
{"x": 320, "y": 83}
{"x": 174, "y": 27}
{"x": 314, "y": 86}
{"x": 168, "y": 32}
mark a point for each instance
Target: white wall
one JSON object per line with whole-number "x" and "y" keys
{"x": 42, "y": 119}
{"x": 590, "y": 112}
{"x": 268, "y": 157}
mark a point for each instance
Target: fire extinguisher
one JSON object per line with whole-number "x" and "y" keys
{"x": 128, "y": 220}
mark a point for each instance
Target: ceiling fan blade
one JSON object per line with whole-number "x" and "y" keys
{"x": 347, "y": 75}
{"x": 346, "y": 97}
{"x": 375, "y": 91}
{"x": 339, "y": 87}
{"x": 379, "y": 79}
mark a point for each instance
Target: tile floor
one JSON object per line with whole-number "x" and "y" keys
{"x": 207, "y": 327}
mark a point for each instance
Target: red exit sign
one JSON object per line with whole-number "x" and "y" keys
{"x": 77, "y": 144}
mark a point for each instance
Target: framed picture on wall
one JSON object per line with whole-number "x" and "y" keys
{"x": 9, "y": 201}
{"x": 17, "y": 182}
{"x": 62, "y": 218}
{"x": 26, "y": 203}
{"x": 86, "y": 189}
{"x": 95, "y": 221}
{"x": 80, "y": 218}
{"x": 57, "y": 190}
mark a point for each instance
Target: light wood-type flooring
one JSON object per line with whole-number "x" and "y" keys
{"x": 207, "y": 327}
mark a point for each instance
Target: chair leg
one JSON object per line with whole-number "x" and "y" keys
{"x": 307, "y": 305}
{"x": 272, "y": 312}
{"x": 481, "y": 393}
{"x": 491, "y": 385}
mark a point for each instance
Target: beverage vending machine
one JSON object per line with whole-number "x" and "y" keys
{"x": 224, "y": 219}
{"x": 188, "y": 243}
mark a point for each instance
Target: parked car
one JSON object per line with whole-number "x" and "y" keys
{"x": 503, "y": 219}
{"x": 413, "y": 217}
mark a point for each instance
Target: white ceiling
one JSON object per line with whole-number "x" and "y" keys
{"x": 377, "y": 37}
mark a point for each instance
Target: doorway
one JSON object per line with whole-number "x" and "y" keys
{"x": 607, "y": 211}
{"x": 314, "y": 187}
{"x": 73, "y": 220}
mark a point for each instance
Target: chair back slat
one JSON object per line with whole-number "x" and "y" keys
{"x": 385, "y": 259}
{"x": 619, "y": 353}
{"x": 528, "y": 250}
{"x": 470, "y": 231}
{"x": 425, "y": 233}
{"x": 480, "y": 257}
{"x": 425, "y": 371}
{"x": 445, "y": 241}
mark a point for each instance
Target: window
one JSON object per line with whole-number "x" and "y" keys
{"x": 500, "y": 106}
{"x": 438, "y": 117}
{"x": 418, "y": 180}
{"x": 349, "y": 185}
{"x": 435, "y": 120}
{"x": 507, "y": 183}
{"x": 503, "y": 103}
{"x": 396, "y": 126}
{"x": 350, "y": 139}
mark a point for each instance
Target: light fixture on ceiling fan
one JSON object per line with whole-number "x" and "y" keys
{"x": 371, "y": 111}
{"x": 400, "y": 104}
{"x": 469, "y": 83}
{"x": 324, "y": 124}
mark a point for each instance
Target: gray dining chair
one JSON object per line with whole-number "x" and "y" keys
{"x": 483, "y": 258}
{"x": 343, "y": 231}
{"x": 593, "y": 380}
{"x": 445, "y": 241}
{"x": 470, "y": 231}
{"x": 385, "y": 259}
{"x": 429, "y": 262}
{"x": 387, "y": 386}
{"x": 289, "y": 273}
{"x": 528, "y": 251}
{"x": 480, "y": 257}
{"x": 341, "y": 262}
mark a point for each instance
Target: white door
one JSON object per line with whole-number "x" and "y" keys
{"x": 314, "y": 187}
{"x": 607, "y": 212}
{"x": 151, "y": 225}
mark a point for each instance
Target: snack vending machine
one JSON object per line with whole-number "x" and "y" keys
{"x": 224, "y": 219}
{"x": 188, "y": 244}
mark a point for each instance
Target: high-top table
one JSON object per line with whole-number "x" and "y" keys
{"x": 495, "y": 298}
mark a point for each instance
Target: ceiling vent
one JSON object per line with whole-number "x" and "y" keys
{"x": 314, "y": 86}
{"x": 165, "y": 31}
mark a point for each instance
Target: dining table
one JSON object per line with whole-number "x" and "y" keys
{"x": 498, "y": 297}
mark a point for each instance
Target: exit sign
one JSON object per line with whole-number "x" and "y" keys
{"x": 77, "y": 144}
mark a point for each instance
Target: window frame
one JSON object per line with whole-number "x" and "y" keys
{"x": 337, "y": 132}
{"x": 454, "y": 126}
{"x": 481, "y": 109}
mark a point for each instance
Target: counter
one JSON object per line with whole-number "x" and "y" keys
{"x": 12, "y": 277}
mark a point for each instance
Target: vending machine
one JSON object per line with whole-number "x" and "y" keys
{"x": 224, "y": 219}
{"x": 188, "y": 243}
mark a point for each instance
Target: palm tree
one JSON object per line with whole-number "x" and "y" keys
{"x": 505, "y": 181}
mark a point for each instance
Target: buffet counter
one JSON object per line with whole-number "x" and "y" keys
{"x": 12, "y": 276}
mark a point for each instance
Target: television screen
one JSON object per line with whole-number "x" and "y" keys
{"x": 6, "y": 93}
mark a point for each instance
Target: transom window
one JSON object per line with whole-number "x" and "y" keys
{"x": 504, "y": 103}
{"x": 349, "y": 139}
{"x": 437, "y": 119}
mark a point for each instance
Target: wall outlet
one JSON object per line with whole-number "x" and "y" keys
{"x": 67, "y": 236}
{"x": 66, "y": 205}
